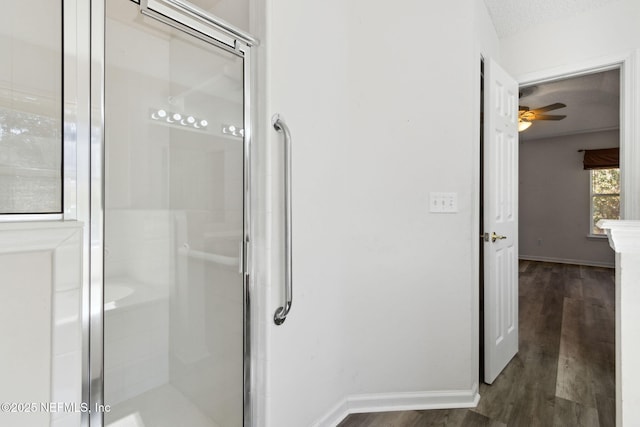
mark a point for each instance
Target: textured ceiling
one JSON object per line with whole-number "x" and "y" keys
{"x": 592, "y": 104}
{"x": 512, "y": 16}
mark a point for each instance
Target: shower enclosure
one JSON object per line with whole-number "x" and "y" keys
{"x": 173, "y": 218}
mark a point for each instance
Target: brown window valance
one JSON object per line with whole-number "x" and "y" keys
{"x": 605, "y": 158}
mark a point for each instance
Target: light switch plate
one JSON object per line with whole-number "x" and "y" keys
{"x": 443, "y": 202}
{"x": 435, "y": 202}
{"x": 450, "y": 202}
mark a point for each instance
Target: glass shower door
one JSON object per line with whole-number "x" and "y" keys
{"x": 174, "y": 226}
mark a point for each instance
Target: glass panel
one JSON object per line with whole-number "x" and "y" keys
{"x": 173, "y": 226}
{"x": 605, "y": 207}
{"x": 31, "y": 107}
{"x": 235, "y": 12}
{"x": 605, "y": 181}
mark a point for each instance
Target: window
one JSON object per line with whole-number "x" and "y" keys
{"x": 31, "y": 107}
{"x": 605, "y": 196}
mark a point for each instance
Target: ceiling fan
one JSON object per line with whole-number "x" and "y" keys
{"x": 527, "y": 116}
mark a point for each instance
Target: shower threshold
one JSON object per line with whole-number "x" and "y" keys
{"x": 164, "y": 406}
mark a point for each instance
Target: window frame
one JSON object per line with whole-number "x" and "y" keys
{"x": 72, "y": 120}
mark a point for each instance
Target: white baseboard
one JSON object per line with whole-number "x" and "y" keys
{"x": 410, "y": 401}
{"x": 335, "y": 415}
{"x": 567, "y": 261}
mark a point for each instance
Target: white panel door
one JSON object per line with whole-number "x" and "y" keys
{"x": 500, "y": 220}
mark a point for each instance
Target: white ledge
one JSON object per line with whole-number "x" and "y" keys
{"x": 624, "y": 236}
{"x": 33, "y": 236}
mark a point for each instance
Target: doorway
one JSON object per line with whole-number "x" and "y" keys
{"x": 561, "y": 199}
{"x": 531, "y": 82}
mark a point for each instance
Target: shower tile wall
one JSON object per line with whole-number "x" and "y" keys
{"x": 40, "y": 309}
{"x": 136, "y": 303}
{"x": 136, "y": 347}
{"x": 35, "y": 351}
{"x": 139, "y": 247}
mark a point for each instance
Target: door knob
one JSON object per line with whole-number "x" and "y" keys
{"x": 495, "y": 237}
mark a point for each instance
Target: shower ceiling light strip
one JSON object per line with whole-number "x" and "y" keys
{"x": 178, "y": 119}
{"x": 233, "y": 130}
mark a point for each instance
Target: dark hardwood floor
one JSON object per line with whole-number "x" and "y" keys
{"x": 564, "y": 372}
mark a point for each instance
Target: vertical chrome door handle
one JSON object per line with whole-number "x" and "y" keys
{"x": 281, "y": 313}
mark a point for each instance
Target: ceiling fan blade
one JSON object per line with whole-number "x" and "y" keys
{"x": 548, "y": 117}
{"x": 522, "y": 108}
{"x": 549, "y": 107}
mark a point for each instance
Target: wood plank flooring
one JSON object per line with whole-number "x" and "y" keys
{"x": 564, "y": 372}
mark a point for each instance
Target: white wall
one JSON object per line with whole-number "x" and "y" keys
{"x": 624, "y": 237}
{"x": 601, "y": 31}
{"x": 412, "y": 122}
{"x": 385, "y": 294}
{"x": 307, "y": 48}
{"x": 627, "y": 330}
{"x": 554, "y": 200}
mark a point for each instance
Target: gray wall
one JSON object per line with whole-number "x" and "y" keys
{"x": 554, "y": 200}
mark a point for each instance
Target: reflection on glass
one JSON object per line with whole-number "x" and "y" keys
{"x": 173, "y": 227}
{"x": 31, "y": 107}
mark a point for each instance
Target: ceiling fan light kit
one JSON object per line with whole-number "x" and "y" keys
{"x": 526, "y": 116}
{"x": 523, "y": 125}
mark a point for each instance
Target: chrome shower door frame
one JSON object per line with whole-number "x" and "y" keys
{"x": 197, "y": 23}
